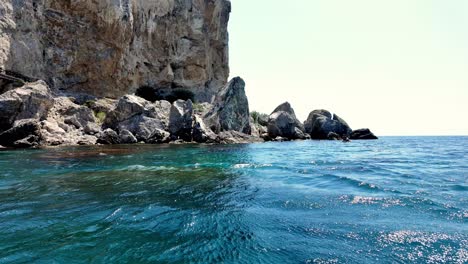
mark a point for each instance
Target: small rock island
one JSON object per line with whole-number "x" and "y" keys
{"x": 126, "y": 72}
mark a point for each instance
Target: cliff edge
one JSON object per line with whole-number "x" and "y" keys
{"x": 109, "y": 48}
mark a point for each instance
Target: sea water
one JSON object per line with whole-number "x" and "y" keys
{"x": 394, "y": 200}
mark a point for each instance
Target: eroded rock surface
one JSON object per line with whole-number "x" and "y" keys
{"x": 284, "y": 123}
{"x": 231, "y": 109}
{"x": 181, "y": 120}
{"x": 110, "y": 48}
{"x": 363, "y": 133}
{"x": 320, "y": 123}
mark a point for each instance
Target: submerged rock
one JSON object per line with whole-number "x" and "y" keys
{"x": 363, "y": 133}
{"x": 231, "y": 109}
{"x": 320, "y": 123}
{"x": 283, "y": 123}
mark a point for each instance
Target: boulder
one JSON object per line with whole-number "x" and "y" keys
{"x": 159, "y": 136}
{"x": 31, "y": 101}
{"x": 108, "y": 137}
{"x": 202, "y": 133}
{"x": 64, "y": 109}
{"x": 126, "y": 137}
{"x": 25, "y": 133}
{"x": 363, "y": 133}
{"x": 320, "y": 123}
{"x": 138, "y": 116}
{"x": 333, "y": 136}
{"x": 92, "y": 129}
{"x": 230, "y": 110}
{"x": 127, "y": 107}
{"x": 159, "y": 110}
{"x": 141, "y": 126}
{"x": 283, "y": 123}
{"x": 181, "y": 120}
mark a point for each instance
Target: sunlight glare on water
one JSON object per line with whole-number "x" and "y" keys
{"x": 395, "y": 200}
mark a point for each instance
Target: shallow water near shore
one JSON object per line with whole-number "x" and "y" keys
{"x": 394, "y": 200}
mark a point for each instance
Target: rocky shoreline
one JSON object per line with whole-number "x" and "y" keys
{"x": 33, "y": 115}
{"x": 126, "y": 72}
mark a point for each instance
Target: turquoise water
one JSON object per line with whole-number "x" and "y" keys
{"x": 395, "y": 200}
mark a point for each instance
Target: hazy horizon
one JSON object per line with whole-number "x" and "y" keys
{"x": 398, "y": 68}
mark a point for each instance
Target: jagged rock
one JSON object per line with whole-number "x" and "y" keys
{"x": 141, "y": 126}
{"x": 280, "y": 139}
{"x": 109, "y": 48}
{"x": 31, "y": 101}
{"x": 126, "y": 137}
{"x": 333, "y": 136}
{"x": 363, "y": 133}
{"x": 102, "y": 105}
{"x": 108, "y": 137}
{"x": 201, "y": 109}
{"x": 235, "y": 137}
{"x": 159, "y": 136}
{"x": 25, "y": 133}
{"x": 201, "y": 133}
{"x": 263, "y": 120}
{"x": 181, "y": 120}
{"x": 127, "y": 107}
{"x": 231, "y": 109}
{"x": 320, "y": 123}
{"x": 283, "y": 123}
{"x": 92, "y": 129}
{"x": 72, "y": 114}
{"x": 138, "y": 116}
{"x": 87, "y": 140}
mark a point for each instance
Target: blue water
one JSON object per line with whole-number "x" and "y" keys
{"x": 395, "y": 200}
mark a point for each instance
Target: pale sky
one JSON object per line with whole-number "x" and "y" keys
{"x": 398, "y": 67}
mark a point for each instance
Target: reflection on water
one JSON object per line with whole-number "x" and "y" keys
{"x": 396, "y": 199}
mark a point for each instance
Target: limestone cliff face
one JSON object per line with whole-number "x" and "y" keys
{"x": 112, "y": 47}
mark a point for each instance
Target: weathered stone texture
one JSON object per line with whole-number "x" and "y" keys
{"x": 110, "y": 48}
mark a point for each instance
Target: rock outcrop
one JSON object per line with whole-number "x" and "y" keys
{"x": 31, "y": 101}
{"x": 90, "y": 72}
{"x": 110, "y": 48}
{"x": 363, "y": 133}
{"x": 24, "y": 134}
{"x": 321, "y": 123}
{"x": 138, "y": 116}
{"x": 201, "y": 133}
{"x": 181, "y": 120}
{"x": 231, "y": 109}
{"x": 284, "y": 123}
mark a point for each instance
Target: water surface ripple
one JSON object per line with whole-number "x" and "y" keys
{"x": 395, "y": 200}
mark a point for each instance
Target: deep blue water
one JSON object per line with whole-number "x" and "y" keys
{"x": 395, "y": 200}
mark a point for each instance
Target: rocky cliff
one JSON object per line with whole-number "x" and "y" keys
{"x": 109, "y": 48}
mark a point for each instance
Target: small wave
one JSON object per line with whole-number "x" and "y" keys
{"x": 369, "y": 200}
{"x": 248, "y": 165}
{"x": 427, "y": 247}
{"x": 146, "y": 168}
